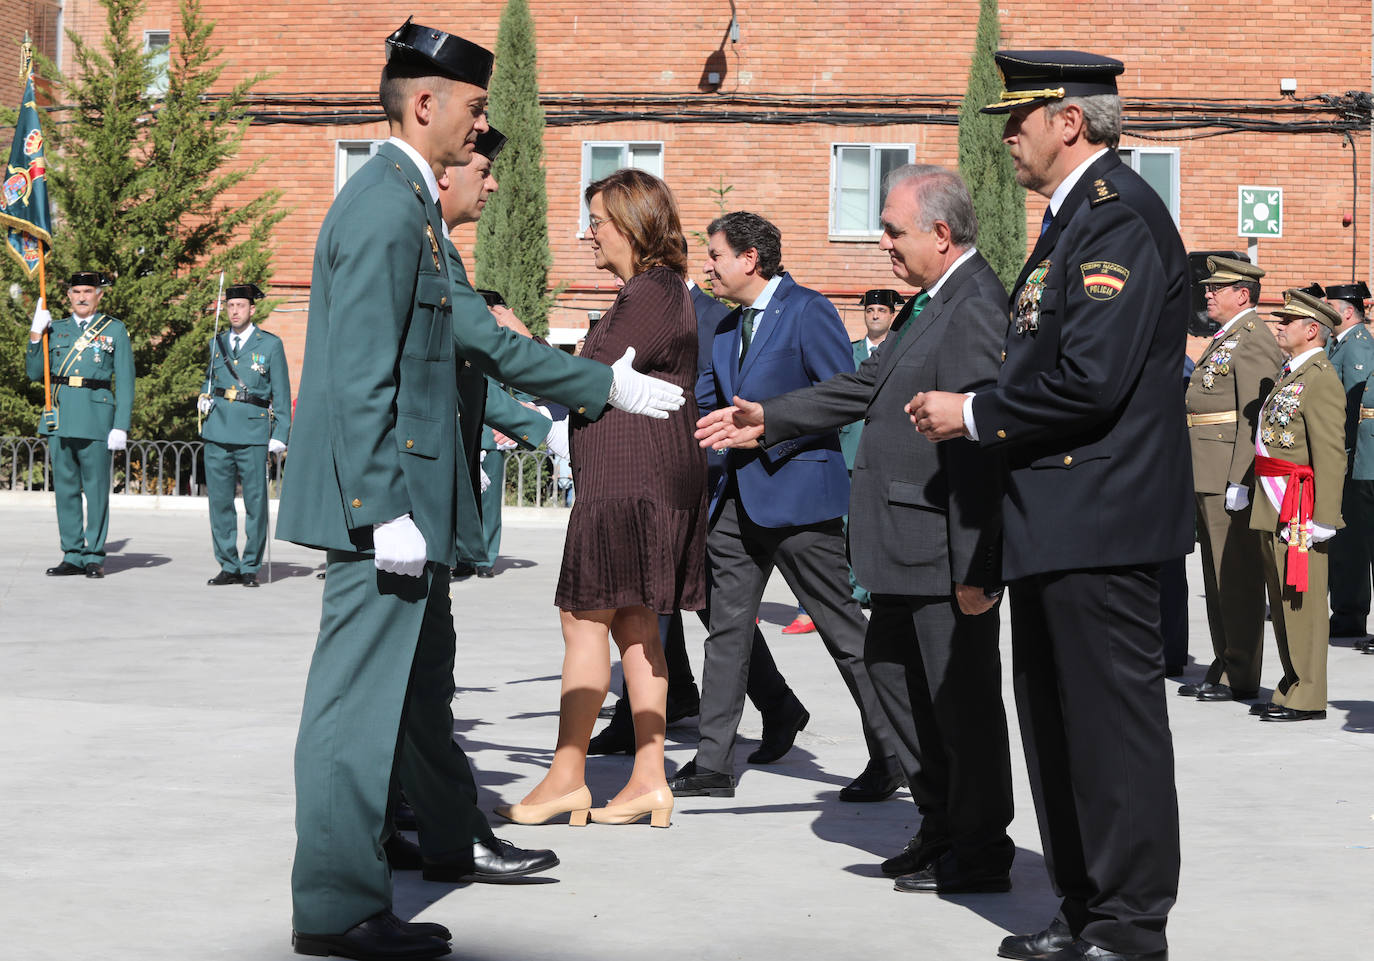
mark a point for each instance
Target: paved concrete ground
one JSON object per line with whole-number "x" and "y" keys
{"x": 145, "y": 765}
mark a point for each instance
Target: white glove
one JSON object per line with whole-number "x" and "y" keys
{"x": 1320, "y": 532}
{"x": 558, "y": 439}
{"x": 117, "y": 439}
{"x": 275, "y": 446}
{"x": 399, "y": 547}
{"x": 482, "y": 479}
{"x": 42, "y": 320}
{"x": 205, "y": 403}
{"x": 1237, "y": 497}
{"x": 637, "y": 393}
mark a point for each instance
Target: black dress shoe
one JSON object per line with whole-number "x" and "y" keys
{"x": 494, "y": 862}
{"x": 876, "y": 783}
{"x": 1258, "y": 710}
{"x": 1223, "y": 692}
{"x": 249, "y": 580}
{"x": 780, "y": 733}
{"x": 403, "y": 816}
{"x": 463, "y": 569}
{"x": 919, "y": 853}
{"x": 402, "y": 854}
{"x": 485, "y": 572}
{"x": 423, "y": 928}
{"x": 1081, "y": 950}
{"x": 379, "y": 938}
{"x": 222, "y": 578}
{"x": 1035, "y": 947}
{"x": 615, "y": 738}
{"x": 95, "y": 571}
{"x": 1193, "y": 690}
{"x": 684, "y": 707}
{"x": 945, "y": 875}
{"x": 692, "y": 781}
{"x": 65, "y": 570}
{"x": 320, "y": 576}
{"x": 1292, "y": 714}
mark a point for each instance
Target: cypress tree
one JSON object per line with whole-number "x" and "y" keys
{"x": 513, "y": 234}
{"x": 138, "y": 186}
{"x": 998, "y": 199}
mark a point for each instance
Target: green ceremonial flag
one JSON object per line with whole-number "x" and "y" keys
{"x": 24, "y": 193}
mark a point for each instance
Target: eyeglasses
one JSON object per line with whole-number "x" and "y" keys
{"x": 594, "y": 223}
{"x": 1215, "y": 289}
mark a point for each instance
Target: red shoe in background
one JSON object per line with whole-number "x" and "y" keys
{"x": 801, "y": 625}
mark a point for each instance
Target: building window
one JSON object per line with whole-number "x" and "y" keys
{"x": 603, "y": 157}
{"x": 349, "y": 157}
{"x": 1159, "y": 167}
{"x": 157, "y": 44}
{"x": 857, "y": 172}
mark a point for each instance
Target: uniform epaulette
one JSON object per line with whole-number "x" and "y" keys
{"x": 1249, "y": 325}
{"x": 1102, "y": 192}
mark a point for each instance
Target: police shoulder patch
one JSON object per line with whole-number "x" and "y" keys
{"x": 1103, "y": 280}
{"x": 1101, "y": 191}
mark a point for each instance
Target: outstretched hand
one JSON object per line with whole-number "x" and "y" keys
{"x": 938, "y": 415}
{"x": 740, "y": 425}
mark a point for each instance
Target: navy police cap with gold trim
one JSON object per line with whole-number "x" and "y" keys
{"x": 882, "y": 297}
{"x": 489, "y": 144}
{"x": 88, "y": 278}
{"x": 1038, "y": 76}
{"x": 1356, "y": 293}
{"x": 451, "y": 56}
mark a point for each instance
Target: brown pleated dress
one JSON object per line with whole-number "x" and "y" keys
{"x": 637, "y": 533}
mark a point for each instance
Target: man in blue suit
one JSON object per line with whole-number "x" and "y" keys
{"x": 781, "y": 507}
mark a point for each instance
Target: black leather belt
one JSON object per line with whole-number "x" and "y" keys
{"x": 87, "y": 382}
{"x": 234, "y": 395}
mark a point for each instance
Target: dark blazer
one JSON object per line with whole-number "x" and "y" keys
{"x": 710, "y": 312}
{"x": 1087, "y": 409}
{"x": 922, "y": 516}
{"x": 800, "y": 341}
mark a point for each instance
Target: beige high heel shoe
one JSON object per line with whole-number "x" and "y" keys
{"x": 657, "y": 804}
{"x": 575, "y": 804}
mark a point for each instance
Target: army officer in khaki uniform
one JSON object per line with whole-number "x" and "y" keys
{"x": 1232, "y": 377}
{"x": 92, "y": 365}
{"x": 1299, "y": 470}
{"x": 247, "y": 408}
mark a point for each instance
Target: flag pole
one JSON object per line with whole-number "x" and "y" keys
{"x": 47, "y": 358}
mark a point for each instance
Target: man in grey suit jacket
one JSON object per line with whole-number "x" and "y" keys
{"x": 925, "y": 533}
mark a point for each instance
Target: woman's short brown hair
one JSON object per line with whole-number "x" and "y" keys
{"x": 643, "y": 209}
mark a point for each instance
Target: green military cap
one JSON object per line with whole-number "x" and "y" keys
{"x": 1227, "y": 271}
{"x": 1038, "y": 76}
{"x": 1300, "y": 304}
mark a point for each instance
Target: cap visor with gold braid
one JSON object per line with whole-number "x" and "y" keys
{"x": 1039, "y": 76}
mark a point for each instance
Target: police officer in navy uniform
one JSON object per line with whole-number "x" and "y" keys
{"x": 92, "y": 364}
{"x": 247, "y": 409}
{"x": 1088, "y": 415}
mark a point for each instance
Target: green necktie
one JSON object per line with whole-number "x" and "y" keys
{"x": 918, "y": 304}
{"x": 235, "y": 348}
{"x": 747, "y": 331}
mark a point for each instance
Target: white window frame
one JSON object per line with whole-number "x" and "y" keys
{"x": 1136, "y": 150}
{"x": 340, "y": 167}
{"x": 157, "y": 87}
{"x": 626, "y": 145}
{"x": 875, "y": 185}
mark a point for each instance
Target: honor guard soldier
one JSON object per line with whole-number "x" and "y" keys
{"x": 1299, "y": 467}
{"x": 1232, "y": 377}
{"x": 92, "y": 365}
{"x": 247, "y": 410}
{"x": 1090, "y": 421}
{"x": 1351, "y": 350}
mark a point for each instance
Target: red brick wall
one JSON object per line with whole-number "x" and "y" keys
{"x": 1224, "y": 49}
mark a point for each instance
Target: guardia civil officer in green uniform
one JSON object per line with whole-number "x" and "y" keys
{"x": 1232, "y": 377}
{"x": 247, "y": 409}
{"x": 373, "y": 480}
{"x": 1351, "y": 350}
{"x": 1300, "y": 466}
{"x": 92, "y": 366}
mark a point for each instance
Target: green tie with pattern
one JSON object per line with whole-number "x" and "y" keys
{"x": 747, "y": 331}
{"x": 918, "y": 304}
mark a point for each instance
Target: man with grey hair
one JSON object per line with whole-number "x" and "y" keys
{"x": 925, "y": 532}
{"x": 1089, "y": 419}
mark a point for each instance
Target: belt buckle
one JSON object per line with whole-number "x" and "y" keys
{"x": 231, "y": 394}
{"x": 75, "y": 381}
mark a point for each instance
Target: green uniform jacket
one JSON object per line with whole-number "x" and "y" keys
{"x": 850, "y": 433}
{"x": 1235, "y": 372}
{"x": 376, "y": 419}
{"x": 526, "y": 427}
{"x": 83, "y": 413}
{"x": 262, "y": 373}
{"x": 1363, "y": 466}
{"x": 1301, "y": 421}
{"x": 1352, "y": 358}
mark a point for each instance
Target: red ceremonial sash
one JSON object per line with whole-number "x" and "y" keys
{"x": 1298, "y": 499}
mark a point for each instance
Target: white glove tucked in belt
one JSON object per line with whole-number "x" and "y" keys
{"x": 1237, "y": 497}
{"x": 399, "y": 547}
{"x": 275, "y": 446}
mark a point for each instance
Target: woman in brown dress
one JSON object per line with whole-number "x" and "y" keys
{"x": 636, "y": 537}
